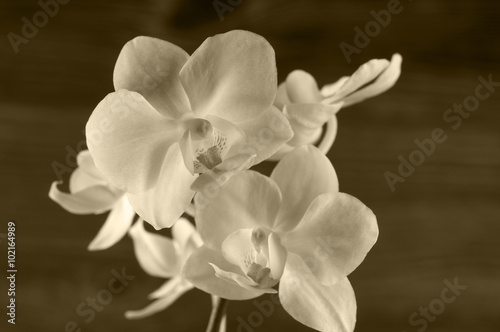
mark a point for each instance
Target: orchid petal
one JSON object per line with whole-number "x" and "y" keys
{"x": 301, "y": 87}
{"x": 284, "y": 150}
{"x": 182, "y": 231}
{"x": 237, "y": 163}
{"x": 151, "y": 67}
{"x": 243, "y": 281}
{"x": 323, "y": 308}
{"x": 231, "y": 133}
{"x": 116, "y": 226}
{"x": 281, "y": 98}
{"x": 86, "y": 163}
{"x": 235, "y": 278}
{"x": 307, "y": 121}
{"x": 128, "y": 139}
{"x": 330, "y": 89}
{"x": 162, "y": 205}
{"x": 384, "y": 82}
{"x": 302, "y": 175}
{"x": 334, "y": 236}
{"x": 277, "y": 256}
{"x": 220, "y": 174}
{"x": 86, "y": 174}
{"x": 221, "y": 78}
{"x": 324, "y": 145}
{"x": 96, "y": 199}
{"x": 186, "y": 146}
{"x": 156, "y": 254}
{"x": 366, "y": 73}
{"x": 193, "y": 243}
{"x": 200, "y": 273}
{"x": 312, "y": 116}
{"x": 178, "y": 288}
{"x": 329, "y": 136}
{"x": 265, "y": 134}
{"x": 248, "y": 200}
{"x": 238, "y": 248}
{"x": 80, "y": 180}
{"x": 170, "y": 286}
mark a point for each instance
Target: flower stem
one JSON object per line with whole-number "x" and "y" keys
{"x": 217, "y": 316}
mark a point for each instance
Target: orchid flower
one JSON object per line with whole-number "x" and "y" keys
{"x": 162, "y": 257}
{"x": 90, "y": 193}
{"x": 294, "y": 228}
{"x": 309, "y": 108}
{"x": 177, "y": 121}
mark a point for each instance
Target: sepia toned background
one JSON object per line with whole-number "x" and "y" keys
{"x": 441, "y": 223}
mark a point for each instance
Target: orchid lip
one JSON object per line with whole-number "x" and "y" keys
{"x": 253, "y": 250}
{"x": 262, "y": 276}
{"x": 210, "y": 153}
{"x": 208, "y": 158}
{"x": 203, "y": 146}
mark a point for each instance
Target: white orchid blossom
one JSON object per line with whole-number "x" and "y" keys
{"x": 162, "y": 257}
{"x": 294, "y": 228}
{"x": 309, "y": 108}
{"x": 199, "y": 122}
{"x": 90, "y": 193}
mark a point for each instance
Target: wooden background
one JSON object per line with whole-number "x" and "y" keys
{"x": 441, "y": 223}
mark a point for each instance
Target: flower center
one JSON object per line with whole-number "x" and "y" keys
{"x": 261, "y": 275}
{"x": 259, "y": 255}
{"x": 210, "y": 153}
{"x": 257, "y": 260}
{"x": 203, "y": 147}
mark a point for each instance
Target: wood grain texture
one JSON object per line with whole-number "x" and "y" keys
{"x": 442, "y": 223}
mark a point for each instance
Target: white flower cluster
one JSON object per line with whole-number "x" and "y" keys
{"x": 178, "y": 136}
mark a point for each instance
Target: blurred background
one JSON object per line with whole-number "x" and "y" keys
{"x": 441, "y": 223}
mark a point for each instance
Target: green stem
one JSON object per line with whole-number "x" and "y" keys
{"x": 218, "y": 312}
